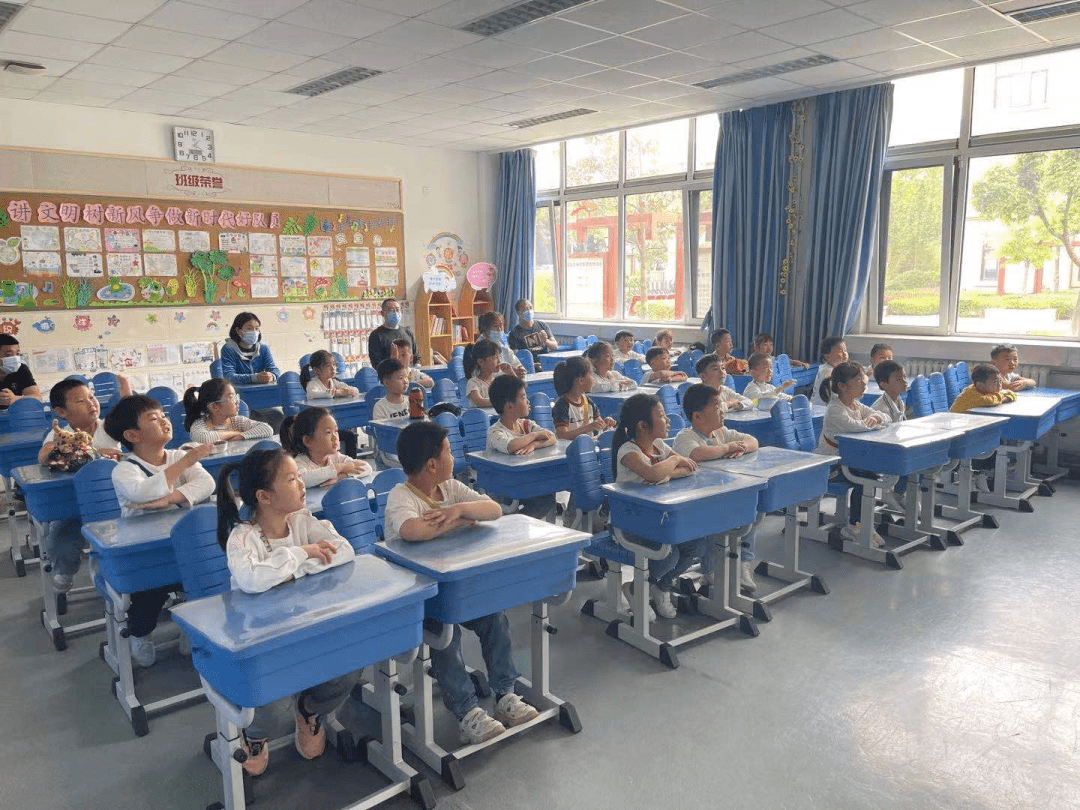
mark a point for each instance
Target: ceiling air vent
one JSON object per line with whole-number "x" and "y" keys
{"x": 532, "y": 122}
{"x": 518, "y": 15}
{"x": 766, "y": 72}
{"x": 334, "y": 81}
{"x": 1046, "y": 11}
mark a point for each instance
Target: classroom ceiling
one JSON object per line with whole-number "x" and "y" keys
{"x": 632, "y": 61}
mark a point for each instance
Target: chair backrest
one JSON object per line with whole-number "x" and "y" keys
{"x": 457, "y": 441}
{"x": 676, "y": 422}
{"x": 339, "y": 364}
{"x": 457, "y": 367}
{"x": 685, "y": 363}
{"x": 347, "y": 505}
{"x": 217, "y": 371}
{"x": 779, "y": 431}
{"x": 373, "y": 395}
{"x": 366, "y": 379}
{"x": 680, "y": 391}
{"x": 605, "y": 441}
{"x": 632, "y": 369}
{"x": 176, "y": 416}
{"x": 541, "y": 414}
{"x": 583, "y": 460}
{"x": 459, "y": 351}
{"x": 803, "y": 417}
{"x": 446, "y": 390}
{"x": 264, "y": 444}
{"x": 27, "y": 414}
{"x": 526, "y": 358}
{"x": 580, "y": 344}
{"x": 243, "y": 408}
{"x": 105, "y": 385}
{"x": 539, "y": 398}
{"x": 963, "y": 375}
{"x": 642, "y": 346}
{"x": 292, "y": 393}
{"x": 952, "y": 384}
{"x": 304, "y": 360}
{"x": 591, "y": 339}
{"x": 204, "y": 568}
{"x": 781, "y": 369}
{"x": 695, "y": 355}
{"x": 666, "y": 393}
{"x": 163, "y": 394}
{"x": 81, "y": 378}
{"x": 918, "y": 397}
{"x": 939, "y": 398}
{"x": 380, "y": 487}
{"x": 94, "y": 491}
{"x": 474, "y": 424}
{"x": 463, "y": 398}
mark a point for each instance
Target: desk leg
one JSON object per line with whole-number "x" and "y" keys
{"x": 1018, "y": 497}
{"x": 1052, "y": 468}
{"x": 17, "y": 558}
{"x": 723, "y": 601}
{"x": 55, "y": 604}
{"x": 1022, "y": 476}
{"x": 962, "y": 512}
{"x": 862, "y": 547}
{"x": 537, "y": 690}
{"x": 385, "y": 754}
{"x": 789, "y": 570}
{"x": 918, "y": 528}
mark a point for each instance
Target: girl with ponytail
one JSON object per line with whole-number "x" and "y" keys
{"x": 211, "y": 415}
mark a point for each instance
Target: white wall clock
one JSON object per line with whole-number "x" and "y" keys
{"x": 193, "y": 145}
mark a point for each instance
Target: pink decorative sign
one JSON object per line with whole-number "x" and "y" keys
{"x": 481, "y": 275}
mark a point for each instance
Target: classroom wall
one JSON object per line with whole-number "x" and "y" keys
{"x": 441, "y": 192}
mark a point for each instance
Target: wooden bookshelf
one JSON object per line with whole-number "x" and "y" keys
{"x": 472, "y": 304}
{"x": 429, "y": 306}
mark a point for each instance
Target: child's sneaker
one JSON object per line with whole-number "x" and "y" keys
{"x": 661, "y": 600}
{"x": 512, "y": 711}
{"x": 478, "y": 726}
{"x": 893, "y": 502}
{"x": 142, "y": 651}
{"x": 258, "y": 757}
{"x": 982, "y": 483}
{"x": 746, "y": 581}
{"x": 628, "y": 598}
{"x": 310, "y": 734}
{"x": 62, "y": 582}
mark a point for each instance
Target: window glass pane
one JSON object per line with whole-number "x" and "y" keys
{"x": 703, "y": 257}
{"x": 544, "y": 253}
{"x": 592, "y": 262}
{"x": 654, "y": 278}
{"x": 927, "y": 108}
{"x": 547, "y": 166}
{"x": 592, "y": 159}
{"x": 1036, "y": 91}
{"x": 1020, "y": 266}
{"x": 657, "y": 149}
{"x": 708, "y": 128}
{"x": 912, "y": 274}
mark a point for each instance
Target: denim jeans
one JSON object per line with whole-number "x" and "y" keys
{"x": 64, "y": 544}
{"x": 277, "y": 719}
{"x": 458, "y": 690}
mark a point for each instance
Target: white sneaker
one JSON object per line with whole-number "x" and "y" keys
{"x": 184, "y": 644}
{"x": 876, "y": 540}
{"x": 662, "y": 601}
{"x": 62, "y": 582}
{"x": 512, "y": 711}
{"x": 627, "y": 600}
{"x": 142, "y": 651}
{"x": 746, "y": 581}
{"x": 478, "y": 726}
{"x": 892, "y": 501}
{"x": 982, "y": 482}
{"x": 851, "y": 533}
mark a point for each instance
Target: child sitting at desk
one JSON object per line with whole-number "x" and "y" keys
{"x": 394, "y": 377}
{"x": 430, "y": 504}
{"x": 491, "y": 326}
{"x": 481, "y": 362}
{"x": 73, "y": 401}
{"x": 833, "y": 353}
{"x": 1006, "y": 359}
{"x": 707, "y": 438}
{"x": 879, "y": 353}
{"x": 211, "y": 414}
{"x": 665, "y": 339}
{"x": 659, "y": 370}
{"x": 152, "y": 478}
{"x": 605, "y": 377}
{"x": 760, "y": 386}
{"x": 318, "y": 380}
{"x": 639, "y": 455}
{"x": 311, "y": 436}
{"x": 891, "y": 379}
{"x": 722, "y": 344}
{"x": 515, "y": 435}
{"x": 985, "y": 390}
{"x": 574, "y": 413}
{"x": 846, "y": 414}
{"x": 401, "y": 350}
{"x": 280, "y": 542}
{"x": 711, "y": 371}
{"x": 624, "y": 347}
{"x": 763, "y": 342}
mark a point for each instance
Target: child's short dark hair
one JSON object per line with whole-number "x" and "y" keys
{"x": 984, "y": 373}
{"x": 418, "y": 443}
{"x": 58, "y": 393}
{"x": 388, "y": 367}
{"x": 757, "y": 359}
{"x": 878, "y": 348}
{"x": 1000, "y": 349}
{"x": 704, "y": 362}
{"x": 653, "y": 353}
{"x": 8, "y": 340}
{"x": 696, "y": 398}
{"x": 623, "y": 333}
{"x": 503, "y": 389}
{"x": 760, "y": 338}
{"x": 828, "y": 344}
{"x": 663, "y": 333}
{"x": 718, "y": 335}
{"x": 125, "y": 416}
{"x": 403, "y": 343}
{"x": 884, "y": 370}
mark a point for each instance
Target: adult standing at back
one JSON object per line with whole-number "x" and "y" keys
{"x": 381, "y": 340}
{"x": 246, "y": 360}
{"x": 530, "y": 333}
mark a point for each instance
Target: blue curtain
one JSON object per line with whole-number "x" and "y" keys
{"x": 515, "y": 225}
{"x": 849, "y": 133}
{"x": 750, "y": 192}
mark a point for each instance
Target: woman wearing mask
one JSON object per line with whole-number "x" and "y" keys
{"x": 246, "y": 360}
{"x": 381, "y": 340}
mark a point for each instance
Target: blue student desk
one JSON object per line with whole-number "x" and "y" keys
{"x": 540, "y": 382}
{"x": 228, "y": 452}
{"x": 16, "y": 450}
{"x": 549, "y": 360}
{"x": 611, "y": 402}
{"x": 650, "y": 387}
{"x": 348, "y": 412}
{"x": 386, "y": 430}
{"x": 804, "y": 376}
{"x": 1068, "y": 407}
{"x": 260, "y": 396}
{"x": 542, "y": 472}
{"x": 252, "y": 649}
{"x": 708, "y": 503}
{"x": 437, "y": 372}
{"x": 482, "y": 569}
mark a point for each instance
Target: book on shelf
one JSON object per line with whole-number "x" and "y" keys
{"x": 461, "y": 334}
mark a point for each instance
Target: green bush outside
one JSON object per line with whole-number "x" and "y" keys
{"x": 974, "y": 303}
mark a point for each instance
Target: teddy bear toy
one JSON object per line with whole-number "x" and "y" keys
{"x": 71, "y": 450}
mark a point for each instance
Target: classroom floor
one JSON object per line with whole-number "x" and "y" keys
{"x": 954, "y": 683}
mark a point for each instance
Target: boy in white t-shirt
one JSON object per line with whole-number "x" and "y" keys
{"x": 401, "y": 350}
{"x": 516, "y": 435}
{"x": 624, "y": 347}
{"x": 395, "y": 405}
{"x": 760, "y": 385}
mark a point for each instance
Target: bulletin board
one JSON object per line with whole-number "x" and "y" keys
{"x": 66, "y": 251}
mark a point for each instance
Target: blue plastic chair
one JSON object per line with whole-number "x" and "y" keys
{"x": 264, "y": 444}
{"x": 105, "y": 385}
{"x": 676, "y": 422}
{"x": 526, "y": 358}
{"x": 292, "y": 393}
{"x": 781, "y": 369}
{"x": 304, "y": 360}
{"x": 457, "y": 367}
{"x": 642, "y": 346}
{"x": 27, "y": 414}
{"x": 243, "y": 408}
{"x": 666, "y": 393}
{"x": 918, "y": 398}
{"x": 457, "y": 443}
{"x": 779, "y": 431}
{"x": 446, "y": 391}
{"x": 204, "y": 568}
{"x": 952, "y": 384}
{"x": 632, "y": 369}
{"x": 939, "y": 398}
{"x": 604, "y": 442}
{"x": 803, "y": 417}
{"x": 347, "y": 505}
{"x": 541, "y": 414}
{"x": 217, "y": 371}
{"x": 459, "y": 351}
{"x": 372, "y": 396}
{"x": 94, "y": 491}
{"x": 380, "y": 488}
{"x": 463, "y": 399}
{"x": 580, "y": 344}
{"x": 685, "y": 363}
{"x": 176, "y": 416}
{"x": 680, "y": 391}
{"x": 695, "y": 355}
{"x": 163, "y": 394}
{"x": 963, "y": 375}
{"x": 590, "y": 340}
{"x": 474, "y": 426}
{"x": 539, "y": 398}
{"x": 339, "y": 364}
{"x": 583, "y": 459}
{"x": 81, "y": 378}
{"x": 366, "y": 379}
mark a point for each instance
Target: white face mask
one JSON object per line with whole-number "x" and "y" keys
{"x": 11, "y": 364}
{"x": 251, "y": 337}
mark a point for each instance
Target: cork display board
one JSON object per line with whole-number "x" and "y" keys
{"x": 68, "y": 251}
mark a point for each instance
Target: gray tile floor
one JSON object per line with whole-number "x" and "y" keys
{"x": 950, "y": 684}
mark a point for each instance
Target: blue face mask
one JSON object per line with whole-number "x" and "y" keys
{"x": 251, "y": 337}
{"x": 393, "y": 319}
{"x": 498, "y": 337}
{"x": 527, "y": 316}
{"x": 11, "y": 364}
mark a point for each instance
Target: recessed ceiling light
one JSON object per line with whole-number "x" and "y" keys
{"x": 766, "y": 72}
{"x": 333, "y": 81}
{"x": 1045, "y": 11}
{"x": 532, "y": 122}
{"x": 24, "y": 68}
{"x": 518, "y": 15}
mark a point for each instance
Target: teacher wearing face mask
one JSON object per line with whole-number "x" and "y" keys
{"x": 529, "y": 333}
{"x": 246, "y": 360}
{"x": 381, "y": 340}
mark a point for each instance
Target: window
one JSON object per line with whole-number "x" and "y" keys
{"x": 592, "y": 258}
{"x": 653, "y": 280}
{"x": 592, "y": 160}
{"x": 927, "y": 108}
{"x": 545, "y": 252}
{"x": 657, "y": 149}
{"x": 708, "y": 130}
{"x": 1029, "y": 93}
{"x": 548, "y": 167}
{"x": 701, "y": 256}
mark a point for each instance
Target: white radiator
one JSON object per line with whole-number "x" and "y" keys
{"x": 920, "y": 365}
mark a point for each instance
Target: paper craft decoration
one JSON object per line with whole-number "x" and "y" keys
{"x": 126, "y": 357}
{"x": 162, "y": 354}
{"x": 195, "y": 378}
{"x": 159, "y": 264}
{"x": 192, "y": 241}
{"x": 263, "y": 243}
{"x": 124, "y": 264}
{"x": 197, "y": 352}
{"x": 168, "y": 379}
{"x": 293, "y": 267}
{"x": 51, "y": 361}
{"x": 264, "y": 287}
{"x": 293, "y": 245}
{"x": 439, "y": 278}
{"x": 320, "y": 246}
{"x": 123, "y": 240}
{"x": 42, "y": 263}
{"x": 84, "y": 265}
{"x": 159, "y": 241}
{"x": 357, "y": 257}
{"x": 389, "y": 277}
{"x": 40, "y": 237}
{"x": 385, "y": 255}
{"x": 320, "y": 266}
{"x": 232, "y": 242}
{"x": 481, "y": 276}
{"x": 82, "y": 240}
{"x": 358, "y": 276}
{"x": 263, "y": 265}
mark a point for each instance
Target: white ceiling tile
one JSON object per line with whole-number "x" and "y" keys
{"x": 556, "y": 92}
{"x": 494, "y": 54}
{"x": 504, "y": 81}
{"x": 241, "y": 55}
{"x": 819, "y": 27}
{"x": 981, "y": 44}
{"x": 424, "y": 37}
{"x": 313, "y": 69}
{"x": 463, "y": 94}
{"x": 282, "y": 37}
{"x": 402, "y": 128}
{"x": 707, "y": 75}
{"x": 219, "y": 72}
{"x": 957, "y": 24}
{"x": 557, "y": 68}
{"x": 36, "y": 45}
{"x": 915, "y": 56}
{"x": 103, "y": 73}
{"x": 233, "y": 109}
{"x": 670, "y": 65}
{"x": 360, "y": 94}
{"x": 182, "y": 100}
{"x": 66, "y": 26}
{"x": 1059, "y": 29}
{"x": 15, "y": 80}
{"x": 326, "y": 105}
{"x": 76, "y": 100}
{"x": 341, "y": 17}
{"x": 115, "y": 56}
{"x": 407, "y": 8}
{"x": 823, "y": 75}
{"x": 508, "y": 103}
{"x": 447, "y": 70}
{"x": 616, "y": 51}
{"x": 739, "y": 47}
{"x": 198, "y": 87}
{"x": 53, "y": 67}
{"x": 178, "y": 15}
{"x": 293, "y": 116}
{"x": 130, "y": 11}
{"x": 553, "y": 35}
{"x": 99, "y": 89}
{"x": 686, "y": 32}
{"x": 375, "y": 55}
{"x": 658, "y": 91}
{"x": 774, "y": 59}
{"x": 759, "y": 88}
{"x": 608, "y": 101}
{"x": 18, "y": 92}
{"x": 764, "y": 12}
{"x": 136, "y": 105}
{"x": 158, "y": 40}
{"x": 608, "y": 80}
{"x": 891, "y": 12}
{"x": 403, "y": 85}
{"x": 331, "y": 127}
{"x": 876, "y": 41}
{"x": 458, "y": 12}
{"x": 472, "y": 113}
{"x": 267, "y": 9}
{"x": 480, "y": 128}
{"x": 620, "y": 16}
{"x": 385, "y": 114}
{"x": 269, "y": 98}
{"x": 418, "y": 105}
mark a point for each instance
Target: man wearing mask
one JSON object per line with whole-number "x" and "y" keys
{"x": 16, "y": 381}
{"x": 381, "y": 340}
{"x": 530, "y": 333}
